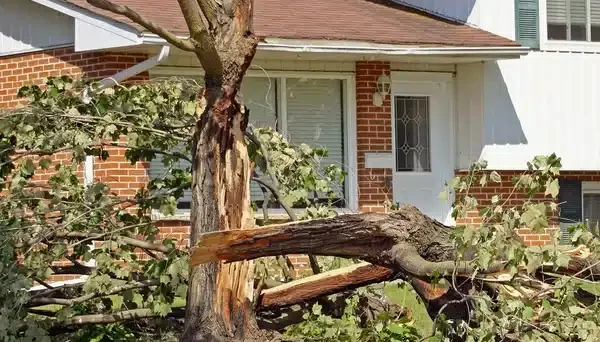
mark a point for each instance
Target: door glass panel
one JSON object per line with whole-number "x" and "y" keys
{"x": 412, "y": 134}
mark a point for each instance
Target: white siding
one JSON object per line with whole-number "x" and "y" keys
{"x": 496, "y": 16}
{"x": 25, "y": 25}
{"x": 469, "y": 109}
{"x": 546, "y": 102}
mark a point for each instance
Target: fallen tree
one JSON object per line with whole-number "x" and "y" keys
{"x": 465, "y": 273}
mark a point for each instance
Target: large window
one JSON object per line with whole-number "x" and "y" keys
{"x": 305, "y": 110}
{"x": 574, "y": 20}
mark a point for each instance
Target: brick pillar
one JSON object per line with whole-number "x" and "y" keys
{"x": 374, "y": 134}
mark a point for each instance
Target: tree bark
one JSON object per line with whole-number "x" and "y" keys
{"x": 323, "y": 284}
{"x": 219, "y": 294}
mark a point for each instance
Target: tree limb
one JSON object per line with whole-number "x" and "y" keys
{"x": 126, "y": 240}
{"x": 203, "y": 42}
{"x": 63, "y": 301}
{"x": 323, "y": 284}
{"x": 183, "y": 44}
{"x": 113, "y": 317}
{"x": 209, "y": 9}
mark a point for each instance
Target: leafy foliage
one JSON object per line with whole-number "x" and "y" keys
{"x": 54, "y": 222}
{"x": 321, "y": 327}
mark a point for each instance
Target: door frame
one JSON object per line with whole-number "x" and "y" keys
{"x": 446, "y": 84}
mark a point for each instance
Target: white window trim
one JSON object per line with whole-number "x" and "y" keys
{"x": 588, "y": 188}
{"x": 349, "y": 98}
{"x": 549, "y": 45}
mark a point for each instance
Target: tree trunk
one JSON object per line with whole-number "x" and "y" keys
{"x": 219, "y": 294}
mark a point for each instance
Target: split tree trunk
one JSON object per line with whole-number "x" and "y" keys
{"x": 219, "y": 294}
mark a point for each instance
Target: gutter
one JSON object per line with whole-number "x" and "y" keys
{"x": 319, "y": 46}
{"x": 397, "y": 51}
{"x": 115, "y": 80}
{"x": 88, "y": 173}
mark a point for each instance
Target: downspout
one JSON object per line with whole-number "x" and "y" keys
{"x": 88, "y": 166}
{"x": 88, "y": 174}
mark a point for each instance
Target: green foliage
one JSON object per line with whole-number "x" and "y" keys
{"x": 321, "y": 327}
{"x": 303, "y": 180}
{"x": 105, "y": 333}
{"x": 50, "y": 221}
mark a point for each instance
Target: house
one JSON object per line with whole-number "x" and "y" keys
{"x": 404, "y": 94}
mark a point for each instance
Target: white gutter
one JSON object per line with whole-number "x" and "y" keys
{"x": 136, "y": 69}
{"x": 397, "y": 51}
{"x": 88, "y": 173}
{"x": 316, "y": 46}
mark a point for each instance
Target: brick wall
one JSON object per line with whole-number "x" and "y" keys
{"x": 20, "y": 70}
{"x": 374, "y": 134}
{"x": 504, "y": 189}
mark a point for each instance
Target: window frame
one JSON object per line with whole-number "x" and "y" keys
{"x": 586, "y": 189}
{"x": 349, "y": 129}
{"x": 547, "y": 44}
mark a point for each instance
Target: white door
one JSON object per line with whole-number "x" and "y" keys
{"x": 422, "y": 145}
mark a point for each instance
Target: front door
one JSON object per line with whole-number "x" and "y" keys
{"x": 422, "y": 145}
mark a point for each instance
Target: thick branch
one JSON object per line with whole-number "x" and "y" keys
{"x": 323, "y": 284}
{"x": 183, "y": 44}
{"x": 204, "y": 44}
{"x": 209, "y": 9}
{"x": 369, "y": 236}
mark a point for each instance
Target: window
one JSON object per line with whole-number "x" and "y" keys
{"x": 412, "y": 133}
{"x": 305, "y": 110}
{"x": 579, "y": 201}
{"x": 573, "y": 20}
{"x": 591, "y": 208}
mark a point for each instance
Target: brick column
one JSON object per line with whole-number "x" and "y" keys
{"x": 374, "y": 134}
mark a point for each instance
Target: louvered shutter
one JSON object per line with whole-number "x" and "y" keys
{"x": 315, "y": 116}
{"x": 260, "y": 97}
{"x": 571, "y": 208}
{"x": 527, "y": 23}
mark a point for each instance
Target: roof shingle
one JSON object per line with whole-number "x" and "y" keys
{"x": 376, "y": 21}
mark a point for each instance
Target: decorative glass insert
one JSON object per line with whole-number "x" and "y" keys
{"x": 413, "y": 151}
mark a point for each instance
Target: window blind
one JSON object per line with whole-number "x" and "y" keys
{"x": 578, "y": 11}
{"x": 315, "y": 116}
{"x": 260, "y": 96}
{"x": 570, "y": 209}
{"x": 595, "y": 12}
{"x": 556, "y": 11}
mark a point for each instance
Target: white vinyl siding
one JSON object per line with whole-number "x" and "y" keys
{"x": 27, "y": 26}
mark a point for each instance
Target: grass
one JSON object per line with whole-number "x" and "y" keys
{"x": 401, "y": 293}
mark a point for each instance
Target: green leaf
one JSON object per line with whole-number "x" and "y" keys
{"x": 552, "y": 188}
{"x": 495, "y": 177}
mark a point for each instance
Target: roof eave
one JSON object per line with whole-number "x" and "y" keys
{"x": 362, "y": 48}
